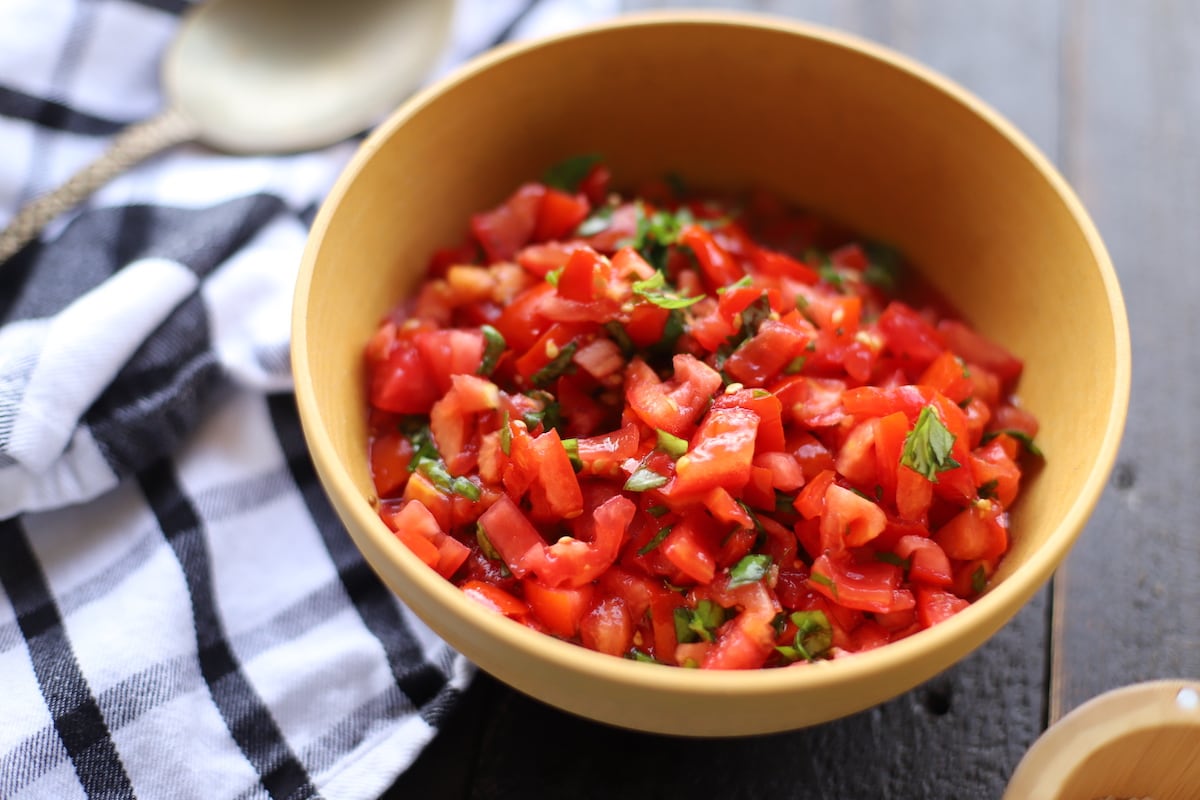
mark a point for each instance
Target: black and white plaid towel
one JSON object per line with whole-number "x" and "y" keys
{"x": 181, "y": 614}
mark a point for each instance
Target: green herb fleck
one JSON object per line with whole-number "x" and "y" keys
{"x": 979, "y": 580}
{"x": 485, "y": 544}
{"x": 599, "y": 221}
{"x": 988, "y": 490}
{"x": 927, "y": 446}
{"x": 559, "y": 365}
{"x": 493, "y": 348}
{"x": 657, "y": 511}
{"x": 795, "y": 365}
{"x": 643, "y": 479}
{"x": 638, "y": 655}
{"x": 741, "y": 283}
{"x": 570, "y": 172}
{"x": 750, "y": 569}
{"x": 505, "y": 435}
{"x": 616, "y": 331}
{"x": 699, "y": 623}
{"x": 553, "y": 276}
{"x": 825, "y": 581}
{"x": 655, "y": 290}
{"x": 671, "y": 444}
{"x": 814, "y": 636}
{"x": 1021, "y": 436}
{"x": 893, "y": 559}
{"x": 655, "y": 540}
{"x": 572, "y": 448}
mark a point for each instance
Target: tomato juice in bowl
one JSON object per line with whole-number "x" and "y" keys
{"x": 692, "y": 431}
{"x": 842, "y": 127}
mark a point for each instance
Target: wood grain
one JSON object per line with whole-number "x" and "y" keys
{"x": 960, "y": 735}
{"x": 1127, "y": 599}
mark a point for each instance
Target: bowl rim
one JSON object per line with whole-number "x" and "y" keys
{"x": 983, "y": 617}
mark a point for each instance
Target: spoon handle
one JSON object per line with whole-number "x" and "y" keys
{"x": 135, "y": 143}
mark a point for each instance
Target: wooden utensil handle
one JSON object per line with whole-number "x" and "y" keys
{"x": 134, "y": 144}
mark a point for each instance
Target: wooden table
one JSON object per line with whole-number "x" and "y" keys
{"x": 1110, "y": 90}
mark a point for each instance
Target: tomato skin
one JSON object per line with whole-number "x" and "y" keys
{"x": 718, "y": 266}
{"x": 511, "y": 533}
{"x": 391, "y": 453}
{"x": 673, "y": 405}
{"x": 978, "y": 532}
{"x": 607, "y": 627}
{"x": 495, "y": 598}
{"x": 560, "y": 609}
{"x": 863, "y": 586}
{"x": 975, "y": 348}
{"x": 909, "y": 335}
{"x": 934, "y": 605}
{"x": 559, "y": 214}
{"x": 766, "y": 354}
{"x": 403, "y": 383}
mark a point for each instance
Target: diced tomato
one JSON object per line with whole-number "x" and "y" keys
{"x": 403, "y": 383}
{"x": 746, "y": 434}
{"x": 721, "y": 452}
{"x": 607, "y": 627}
{"x": 975, "y": 348}
{"x": 509, "y": 226}
{"x": 561, "y": 610}
{"x": 391, "y": 453}
{"x": 495, "y": 598}
{"x": 864, "y": 586}
{"x": 559, "y": 214}
{"x": 935, "y": 605}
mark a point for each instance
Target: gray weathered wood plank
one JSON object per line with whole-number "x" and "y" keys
{"x": 1128, "y": 597}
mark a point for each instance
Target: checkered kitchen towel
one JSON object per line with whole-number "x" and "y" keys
{"x": 181, "y": 614}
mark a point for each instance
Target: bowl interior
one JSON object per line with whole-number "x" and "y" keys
{"x": 836, "y": 125}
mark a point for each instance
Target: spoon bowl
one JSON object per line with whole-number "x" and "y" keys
{"x": 266, "y": 76}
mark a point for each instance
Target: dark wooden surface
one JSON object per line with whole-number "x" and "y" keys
{"x": 1110, "y": 90}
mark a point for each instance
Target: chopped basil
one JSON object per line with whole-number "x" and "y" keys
{"x": 1021, "y": 436}
{"x": 927, "y": 446}
{"x": 505, "y": 435}
{"x": 883, "y": 268}
{"x": 979, "y": 579}
{"x": 435, "y": 470}
{"x": 616, "y": 331}
{"x": 795, "y": 365}
{"x": 638, "y": 655}
{"x": 825, "y": 581}
{"x": 656, "y": 291}
{"x": 559, "y": 365}
{"x": 655, "y": 540}
{"x": 671, "y": 444}
{"x": 750, "y": 569}
{"x": 548, "y": 416}
{"x": 485, "y": 544}
{"x": 740, "y": 283}
{"x": 758, "y": 526}
{"x": 830, "y": 274}
{"x": 893, "y": 559}
{"x": 493, "y": 348}
{"x": 599, "y": 221}
{"x": 988, "y": 490}
{"x": 657, "y": 232}
{"x": 701, "y": 622}
{"x": 814, "y": 636}
{"x": 572, "y": 448}
{"x": 643, "y": 479}
{"x": 553, "y": 275}
{"x": 570, "y": 172}
{"x": 657, "y": 511}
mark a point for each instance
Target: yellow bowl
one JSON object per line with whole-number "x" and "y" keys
{"x": 834, "y": 123}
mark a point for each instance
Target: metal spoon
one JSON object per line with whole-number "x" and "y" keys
{"x": 266, "y": 76}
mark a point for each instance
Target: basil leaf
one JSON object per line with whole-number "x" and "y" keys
{"x": 655, "y": 290}
{"x": 988, "y": 490}
{"x": 979, "y": 579}
{"x": 643, "y": 479}
{"x": 1021, "y": 436}
{"x": 559, "y": 365}
{"x": 493, "y": 348}
{"x": 814, "y": 636}
{"x": 750, "y": 569}
{"x": 599, "y": 221}
{"x": 825, "y": 581}
{"x": 671, "y": 444}
{"x": 572, "y": 448}
{"x": 553, "y": 275}
{"x": 655, "y": 540}
{"x": 505, "y": 435}
{"x": 657, "y": 511}
{"x": 740, "y": 283}
{"x": 485, "y": 544}
{"x": 927, "y": 447}
{"x": 570, "y": 172}
{"x": 893, "y": 559}
{"x": 701, "y": 622}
